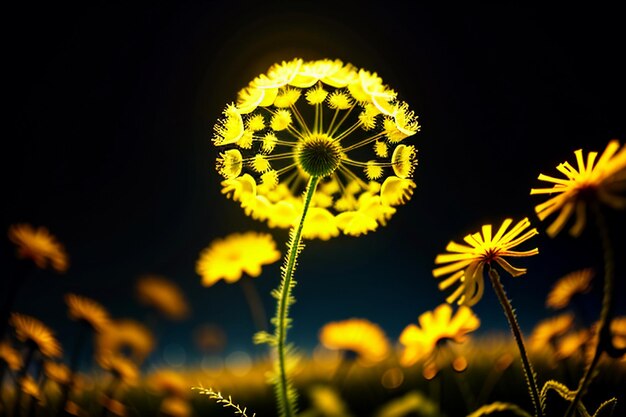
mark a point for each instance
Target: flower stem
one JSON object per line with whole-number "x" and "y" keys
{"x": 517, "y": 334}
{"x": 254, "y": 303}
{"x": 606, "y": 314}
{"x": 285, "y": 397}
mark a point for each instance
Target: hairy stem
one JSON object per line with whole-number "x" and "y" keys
{"x": 288, "y": 408}
{"x": 517, "y": 334}
{"x": 606, "y": 314}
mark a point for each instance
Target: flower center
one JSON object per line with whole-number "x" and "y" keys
{"x": 318, "y": 155}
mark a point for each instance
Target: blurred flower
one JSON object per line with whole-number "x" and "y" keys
{"x": 319, "y": 118}
{"x": 10, "y": 356}
{"x": 436, "y": 328}
{"x": 466, "y": 263}
{"x": 175, "y": 407}
{"x": 238, "y": 253}
{"x": 209, "y": 338}
{"x": 412, "y": 403}
{"x": 74, "y": 409}
{"x": 361, "y": 336}
{"x": 57, "y": 372}
{"x": 546, "y": 331}
{"x": 599, "y": 181}
{"x": 577, "y": 282}
{"x": 169, "y": 383}
{"x": 114, "y": 407}
{"x": 164, "y": 295}
{"x": 39, "y": 246}
{"x": 31, "y": 331}
{"x": 30, "y": 387}
{"x": 122, "y": 368}
{"x": 618, "y": 336}
{"x": 326, "y": 401}
{"x": 87, "y": 311}
{"x": 125, "y": 336}
{"x": 571, "y": 344}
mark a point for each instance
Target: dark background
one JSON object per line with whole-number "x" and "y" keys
{"x": 108, "y": 119}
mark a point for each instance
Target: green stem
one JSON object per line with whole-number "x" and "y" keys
{"x": 517, "y": 334}
{"x": 288, "y": 408}
{"x": 606, "y": 314}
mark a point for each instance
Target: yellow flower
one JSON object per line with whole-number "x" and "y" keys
{"x": 30, "y": 387}
{"x": 229, "y": 258}
{"x": 169, "y": 383}
{"x": 546, "y": 332}
{"x": 10, "y": 356}
{"x": 466, "y": 263}
{"x": 125, "y": 336}
{"x": 361, "y": 336}
{"x": 57, "y": 372}
{"x": 164, "y": 295}
{"x": 87, "y": 311}
{"x": 29, "y": 330}
{"x": 175, "y": 407}
{"x": 600, "y": 181}
{"x": 577, "y": 282}
{"x": 571, "y": 344}
{"x": 319, "y": 118}
{"x": 122, "y": 368}
{"x": 39, "y": 246}
{"x": 327, "y": 402}
{"x": 435, "y": 328}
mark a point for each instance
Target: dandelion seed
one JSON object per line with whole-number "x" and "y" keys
{"x": 256, "y": 123}
{"x": 339, "y": 100}
{"x": 316, "y": 95}
{"x": 230, "y": 163}
{"x": 281, "y": 120}
{"x": 403, "y": 160}
{"x": 260, "y": 163}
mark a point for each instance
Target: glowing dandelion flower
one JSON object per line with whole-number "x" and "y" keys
{"x": 229, "y": 258}
{"x": 30, "y": 387}
{"x": 571, "y": 344}
{"x": 88, "y": 311}
{"x": 125, "y": 337}
{"x": 39, "y": 246}
{"x": 57, "y": 372}
{"x": 10, "y": 357}
{"x": 599, "y": 180}
{"x": 164, "y": 295}
{"x": 546, "y": 332}
{"x": 436, "y": 328}
{"x": 322, "y": 119}
{"x": 360, "y": 336}
{"x": 467, "y": 262}
{"x": 31, "y": 331}
{"x": 577, "y": 282}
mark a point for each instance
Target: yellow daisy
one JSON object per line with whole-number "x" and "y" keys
{"x": 29, "y": 330}
{"x": 164, "y": 295}
{"x": 57, "y": 372}
{"x": 229, "y": 258}
{"x": 361, "y": 336}
{"x": 11, "y": 357}
{"x": 322, "y": 119}
{"x": 466, "y": 263}
{"x": 436, "y": 328}
{"x": 87, "y": 311}
{"x": 125, "y": 337}
{"x": 564, "y": 289}
{"x": 39, "y": 246}
{"x": 591, "y": 180}
{"x": 546, "y": 332}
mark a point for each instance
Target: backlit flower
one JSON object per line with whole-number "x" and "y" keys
{"x": 360, "y": 336}
{"x": 122, "y": 368}
{"x": 546, "y": 332}
{"x": 30, "y": 387}
{"x": 164, "y": 295}
{"x": 599, "y": 180}
{"x": 436, "y": 328}
{"x": 57, "y": 372}
{"x": 571, "y": 344}
{"x": 229, "y": 258}
{"x": 11, "y": 357}
{"x": 87, "y": 311}
{"x": 175, "y": 407}
{"x": 29, "y": 330}
{"x": 324, "y": 119}
{"x": 577, "y": 282}
{"x": 39, "y": 246}
{"x": 169, "y": 383}
{"x": 466, "y": 262}
{"x": 125, "y": 337}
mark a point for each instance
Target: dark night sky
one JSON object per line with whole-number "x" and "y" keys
{"x": 110, "y": 113}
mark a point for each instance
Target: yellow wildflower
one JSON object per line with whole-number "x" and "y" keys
{"x": 122, "y": 368}
{"x": 546, "y": 332}
{"x": 466, "y": 263}
{"x": 577, "y": 282}
{"x": 284, "y": 141}
{"x": 169, "y": 383}
{"x": 164, "y": 295}
{"x": 125, "y": 337}
{"x": 236, "y": 254}
{"x": 57, "y": 372}
{"x": 11, "y": 357}
{"x": 175, "y": 407}
{"x": 39, "y": 246}
{"x": 435, "y": 328}
{"x": 30, "y": 387}
{"x": 29, "y": 330}
{"x": 360, "y": 336}
{"x": 88, "y": 311}
{"x": 600, "y": 181}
